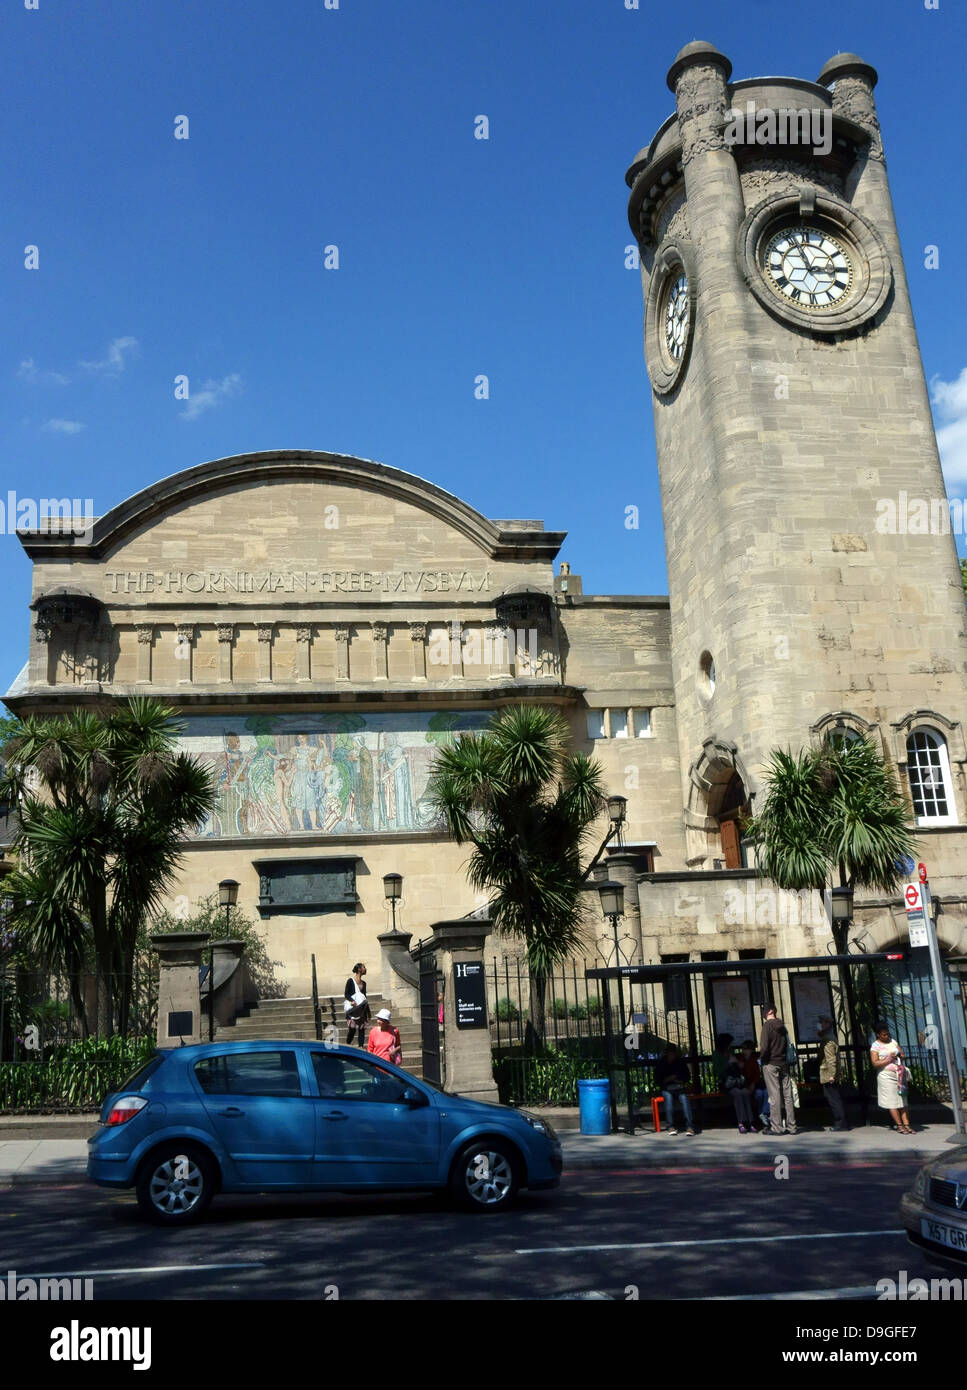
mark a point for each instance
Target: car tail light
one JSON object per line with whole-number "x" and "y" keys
{"x": 123, "y": 1109}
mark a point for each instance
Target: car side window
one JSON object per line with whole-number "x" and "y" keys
{"x": 343, "y": 1078}
{"x": 249, "y": 1074}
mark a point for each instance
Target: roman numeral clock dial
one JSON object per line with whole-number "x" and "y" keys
{"x": 676, "y": 318}
{"x": 808, "y": 267}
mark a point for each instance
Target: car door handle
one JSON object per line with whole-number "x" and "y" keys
{"x": 336, "y": 1115}
{"x": 232, "y": 1112}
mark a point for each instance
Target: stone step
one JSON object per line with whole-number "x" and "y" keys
{"x": 268, "y": 1028}
{"x": 266, "y": 1033}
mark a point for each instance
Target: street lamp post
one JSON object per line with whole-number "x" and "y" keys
{"x": 841, "y": 913}
{"x": 616, "y": 814}
{"x": 613, "y": 906}
{"x": 393, "y": 889}
{"x": 227, "y": 898}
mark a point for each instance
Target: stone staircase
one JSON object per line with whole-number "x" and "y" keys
{"x": 282, "y": 1020}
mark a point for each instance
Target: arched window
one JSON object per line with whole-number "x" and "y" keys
{"x": 928, "y": 768}
{"x": 841, "y": 736}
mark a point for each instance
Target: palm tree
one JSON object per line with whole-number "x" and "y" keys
{"x": 103, "y": 803}
{"x": 527, "y": 807}
{"x": 833, "y": 812}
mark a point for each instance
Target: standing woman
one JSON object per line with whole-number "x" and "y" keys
{"x": 355, "y": 1005}
{"x": 886, "y": 1056}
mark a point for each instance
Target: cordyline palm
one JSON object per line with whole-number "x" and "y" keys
{"x": 527, "y": 807}
{"x": 833, "y": 812}
{"x": 104, "y": 801}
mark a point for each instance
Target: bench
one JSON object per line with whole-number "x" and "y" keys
{"x": 807, "y": 1088}
{"x": 659, "y": 1100}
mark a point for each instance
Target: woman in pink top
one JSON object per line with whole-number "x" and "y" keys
{"x": 384, "y": 1039}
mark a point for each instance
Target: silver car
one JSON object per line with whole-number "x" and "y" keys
{"x": 934, "y": 1211}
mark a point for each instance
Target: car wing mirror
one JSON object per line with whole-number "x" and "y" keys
{"x": 411, "y": 1096}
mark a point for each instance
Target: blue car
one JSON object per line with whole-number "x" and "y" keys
{"x": 307, "y": 1117}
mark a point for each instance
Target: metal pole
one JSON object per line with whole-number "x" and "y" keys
{"x": 946, "y": 1033}
{"x": 858, "y": 1047}
{"x": 609, "y": 1053}
{"x": 624, "y": 1036}
{"x": 316, "y": 1014}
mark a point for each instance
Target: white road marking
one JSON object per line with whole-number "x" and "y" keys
{"x": 689, "y": 1244}
{"x": 867, "y": 1293}
{"x": 141, "y": 1269}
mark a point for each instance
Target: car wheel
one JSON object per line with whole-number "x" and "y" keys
{"x": 485, "y": 1176}
{"x": 176, "y": 1184}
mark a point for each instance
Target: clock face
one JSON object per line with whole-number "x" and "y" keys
{"x": 808, "y": 267}
{"x": 677, "y": 317}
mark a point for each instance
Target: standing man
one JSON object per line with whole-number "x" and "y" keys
{"x": 773, "y": 1049}
{"x": 829, "y": 1072}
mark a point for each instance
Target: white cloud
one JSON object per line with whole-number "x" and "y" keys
{"x": 30, "y": 372}
{"x": 212, "y": 393}
{"x": 115, "y": 361}
{"x": 950, "y": 400}
{"x": 64, "y": 426}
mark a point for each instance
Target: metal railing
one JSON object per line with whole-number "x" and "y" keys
{"x": 316, "y": 1011}
{"x": 591, "y": 1028}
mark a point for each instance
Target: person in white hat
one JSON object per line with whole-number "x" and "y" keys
{"x": 384, "y": 1039}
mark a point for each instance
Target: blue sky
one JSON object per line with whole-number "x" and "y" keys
{"x": 310, "y": 127}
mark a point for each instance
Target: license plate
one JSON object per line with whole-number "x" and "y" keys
{"x": 942, "y": 1234}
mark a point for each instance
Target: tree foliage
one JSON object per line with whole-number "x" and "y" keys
{"x": 528, "y": 808}
{"x": 103, "y": 804}
{"x": 833, "y": 813}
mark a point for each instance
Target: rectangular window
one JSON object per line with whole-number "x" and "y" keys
{"x": 758, "y": 979}
{"x": 675, "y": 986}
{"x": 642, "y": 723}
{"x": 711, "y": 955}
{"x": 249, "y": 1074}
{"x": 342, "y": 1079}
{"x": 595, "y": 723}
{"x": 619, "y": 723}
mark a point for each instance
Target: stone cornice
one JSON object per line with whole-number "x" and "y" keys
{"x": 242, "y": 470}
{"x": 263, "y": 696}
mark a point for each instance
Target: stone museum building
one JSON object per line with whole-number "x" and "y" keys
{"x": 324, "y": 624}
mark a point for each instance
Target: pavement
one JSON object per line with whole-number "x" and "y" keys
{"x": 57, "y": 1160}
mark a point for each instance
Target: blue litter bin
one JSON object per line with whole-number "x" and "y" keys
{"x": 594, "y": 1103}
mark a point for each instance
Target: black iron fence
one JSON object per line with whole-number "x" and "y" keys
{"x": 693, "y": 1004}
{"x": 545, "y": 1035}
{"x": 60, "y": 1041}
{"x": 593, "y": 1021}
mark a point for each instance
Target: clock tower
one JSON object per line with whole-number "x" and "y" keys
{"x": 793, "y": 427}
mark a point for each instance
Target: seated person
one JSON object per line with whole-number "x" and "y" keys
{"x": 672, "y": 1079}
{"x": 735, "y": 1085}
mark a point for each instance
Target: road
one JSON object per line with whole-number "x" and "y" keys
{"x": 673, "y": 1233}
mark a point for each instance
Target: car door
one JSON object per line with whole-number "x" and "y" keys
{"x": 366, "y": 1134}
{"x": 255, "y": 1104}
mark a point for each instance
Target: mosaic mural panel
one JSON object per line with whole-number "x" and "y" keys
{"x": 301, "y": 774}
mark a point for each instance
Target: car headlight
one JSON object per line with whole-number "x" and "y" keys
{"x": 537, "y": 1123}
{"x": 920, "y": 1185}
